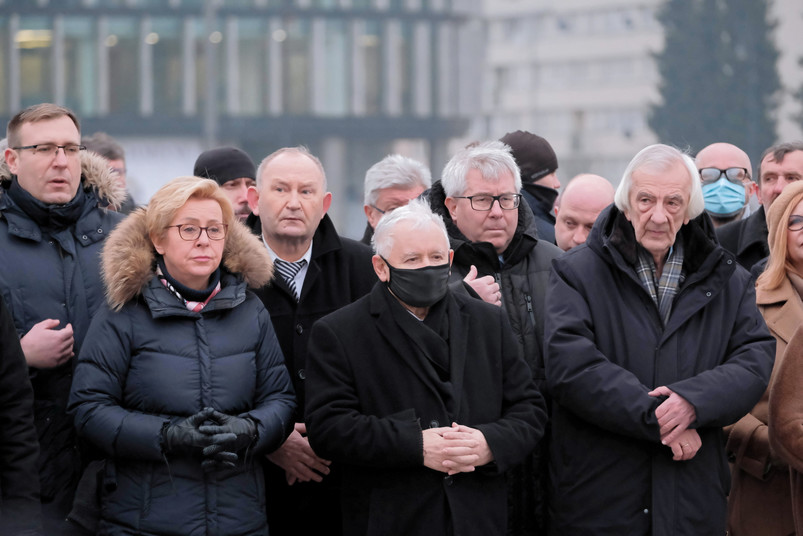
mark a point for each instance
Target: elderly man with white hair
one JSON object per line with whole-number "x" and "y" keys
{"x": 653, "y": 343}
{"x": 420, "y": 394}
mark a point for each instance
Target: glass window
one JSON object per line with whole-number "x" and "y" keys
{"x": 34, "y": 42}
{"x": 165, "y": 38}
{"x": 252, "y": 55}
{"x": 296, "y": 67}
{"x": 122, "y": 44}
{"x": 4, "y": 74}
{"x": 371, "y": 56}
{"x": 335, "y": 66}
{"x": 80, "y": 65}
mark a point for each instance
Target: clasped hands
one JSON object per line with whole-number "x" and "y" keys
{"x": 455, "y": 449}
{"x": 675, "y": 415}
{"x": 217, "y": 435}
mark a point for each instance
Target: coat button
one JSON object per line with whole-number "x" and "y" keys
{"x": 730, "y": 261}
{"x": 299, "y": 329}
{"x": 646, "y": 510}
{"x": 434, "y": 423}
{"x": 84, "y": 237}
{"x": 708, "y": 294}
{"x": 100, "y": 231}
{"x": 302, "y": 374}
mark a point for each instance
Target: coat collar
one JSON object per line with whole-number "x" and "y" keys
{"x": 754, "y": 232}
{"x": 129, "y": 258}
{"x": 782, "y": 309}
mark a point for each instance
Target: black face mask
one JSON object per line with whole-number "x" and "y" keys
{"x": 419, "y": 287}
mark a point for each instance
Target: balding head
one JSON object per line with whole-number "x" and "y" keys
{"x": 723, "y": 156}
{"x": 725, "y": 194}
{"x": 580, "y": 203}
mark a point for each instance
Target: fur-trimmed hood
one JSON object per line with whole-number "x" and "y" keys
{"x": 95, "y": 174}
{"x": 128, "y": 258}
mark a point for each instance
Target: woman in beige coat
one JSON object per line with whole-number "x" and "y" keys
{"x": 760, "y": 502}
{"x": 785, "y": 221}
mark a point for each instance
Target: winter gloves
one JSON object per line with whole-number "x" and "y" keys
{"x": 217, "y": 435}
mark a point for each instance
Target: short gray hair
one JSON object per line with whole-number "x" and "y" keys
{"x": 491, "y": 158}
{"x": 655, "y": 159}
{"x": 395, "y": 171}
{"x": 420, "y": 216}
{"x": 299, "y": 149}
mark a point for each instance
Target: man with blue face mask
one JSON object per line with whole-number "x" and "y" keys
{"x": 725, "y": 171}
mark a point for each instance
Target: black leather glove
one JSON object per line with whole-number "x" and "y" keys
{"x": 220, "y": 460}
{"x": 186, "y": 434}
{"x": 230, "y": 434}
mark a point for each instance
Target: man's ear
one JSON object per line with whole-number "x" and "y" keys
{"x": 253, "y": 199}
{"x": 327, "y": 201}
{"x": 451, "y": 205}
{"x": 380, "y": 268}
{"x": 11, "y": 160}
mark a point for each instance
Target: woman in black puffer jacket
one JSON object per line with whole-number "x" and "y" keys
{"x": 181, "y": 382}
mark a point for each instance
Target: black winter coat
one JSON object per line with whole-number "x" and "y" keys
{"x": 56, "y": 274}
{"x": 746, "y": 239}
{"x": 19, "y": 449}
{"x": 607, "y": 347}
{"x": 154, "y": 362}
{"x": 371, "y": 394}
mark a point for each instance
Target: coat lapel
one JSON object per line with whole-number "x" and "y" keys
{"x": 782, "y": 309}
{"x": 458, "y": 319}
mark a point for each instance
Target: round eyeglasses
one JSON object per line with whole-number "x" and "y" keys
{"x": 189, "y": 231}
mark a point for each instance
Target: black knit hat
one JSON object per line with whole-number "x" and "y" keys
{"x": 224, "y": 164}
{"x": 533, "y": 154}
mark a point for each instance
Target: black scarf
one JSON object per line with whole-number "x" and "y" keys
{"x": 184, "y": 292}
{"x": 48, "y": 216}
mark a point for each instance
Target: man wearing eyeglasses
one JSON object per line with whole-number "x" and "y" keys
{"x": 725, "y": 172}
{"x": 493, "y": 234}
{"x": 747, "y": 239}
{"x": 51, "y": 234}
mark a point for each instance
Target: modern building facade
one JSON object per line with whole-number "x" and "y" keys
{"x": 351, "y": 79}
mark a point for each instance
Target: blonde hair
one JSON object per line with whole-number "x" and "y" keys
{"x": 169, "y": 199}
{"x": 778, "y": 225}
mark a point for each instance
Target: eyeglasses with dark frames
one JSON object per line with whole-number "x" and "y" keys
{"x": 378, "y": 209}
{"x": 733, "y": 174}
{"x": 795, "y": 223}
{"x": 189, "y": 231}
{"x": 485, "y": 202}
{"x": 50, "y": 149}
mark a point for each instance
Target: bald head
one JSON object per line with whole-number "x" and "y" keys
{"x": 723, "y": 156}
{"x": 580, "y": 203}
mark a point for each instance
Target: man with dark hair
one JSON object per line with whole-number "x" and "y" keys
{"x": 107, "y": 147}
{"x": 316, "y": 272}
{"x": 747, "y": 239}
{"x": 52, "y": 228}
{"x": 234, "y": 171}
{"x": 538, "y": 165}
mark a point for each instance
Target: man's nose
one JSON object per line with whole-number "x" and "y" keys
{"x": 496, "y": 208}
{"x": 658, "y": 214}
{"x": 580, "y": 235}
{"x": 61, "y": 157}
{"x": 242, "y": 195}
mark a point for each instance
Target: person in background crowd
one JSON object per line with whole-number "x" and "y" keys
{"x": 725, "y": 171}
{"x": 760, "y": 500}
{"x": 234, "y": 171}
{"x": 538, "y": 165}
{"x": 317, "y": 272}
{"x": 493, "y": 237}
{"x": 389, "y": 184}
{"x": 52, "y": 228}
{"x": 780, "y": 165}
{"x": 181, "y": 382}
{"x": 420, "y": 394}
{"x": 20, "y": 510}
{"x": 107, "y": 147}
{"x": 653, "y": 344}
{"x": 577, "y": 209}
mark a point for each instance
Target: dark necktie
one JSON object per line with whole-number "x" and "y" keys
{"x": 288, "y": 271}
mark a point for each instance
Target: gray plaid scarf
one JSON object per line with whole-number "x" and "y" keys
{"x": 662, "y": 292}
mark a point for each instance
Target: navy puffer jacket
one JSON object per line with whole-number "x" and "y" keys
{"x": 153, "y": 362}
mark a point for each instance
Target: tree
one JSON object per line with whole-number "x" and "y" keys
{"x": 719, "y": 77}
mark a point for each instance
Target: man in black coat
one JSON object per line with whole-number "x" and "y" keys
{"x": 420, "y": 394}
{"x": 747, "y": 239}
{"x": 653, "y": 343}
{"x": 19, "y": 449}
{"x": 316, "y": 272}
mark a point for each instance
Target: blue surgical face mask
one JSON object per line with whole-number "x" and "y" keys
{"x": 723, "y": 198}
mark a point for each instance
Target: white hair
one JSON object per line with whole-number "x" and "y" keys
{"x": 491, "y": 158}
{"x": 656, "y": 159}
{"x": 420, "y": 216}
{"x": 395, "y": 171}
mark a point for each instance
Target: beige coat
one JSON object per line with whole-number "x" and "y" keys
{"x": 786, "y": 420}
{"x": 760, "y": 503}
